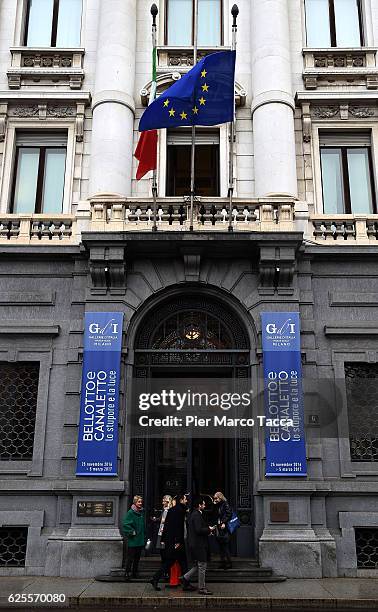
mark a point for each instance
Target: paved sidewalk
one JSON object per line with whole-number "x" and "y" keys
{"x": 327, "y": 593}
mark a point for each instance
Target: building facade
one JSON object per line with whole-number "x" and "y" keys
{"x": 76, "y": 236}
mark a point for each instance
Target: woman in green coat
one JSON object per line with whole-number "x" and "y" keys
{"x": 134, "y": 530}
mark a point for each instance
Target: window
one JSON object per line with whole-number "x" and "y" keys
{"x": 347, "y": 173}
{"x": 333, "y": 23}
{"x": 180, "y": 21}
{"x": 367, "y": 547}
{"x": 39, "y": 173}
{"x": 179, "y": 162}
{"x": 13, "y": 543}
{"x": 18, "y": 406}
{"x": 361, "y": 381}
{"x": 53, "y": 23}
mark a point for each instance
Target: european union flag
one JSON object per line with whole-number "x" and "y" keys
{"x": 203, "y": 96}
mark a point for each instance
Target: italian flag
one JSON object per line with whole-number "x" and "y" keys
{"x": 146, "y": 151}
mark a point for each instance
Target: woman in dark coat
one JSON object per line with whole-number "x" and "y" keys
{"x": 224, "y": 514}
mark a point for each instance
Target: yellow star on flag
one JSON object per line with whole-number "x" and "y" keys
{"x": 195, "y": 110}
{"x": 172, "y": 112}
{"x": 203, "y": 74}
{"x": 183, "y": 115}
{"x": 202, "y": 101}
{"x": 205, "y": 87}
{"x": 166, "y": 102}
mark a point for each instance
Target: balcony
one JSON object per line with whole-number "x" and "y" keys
{"x": 337, "y": 66}
{"x": 181, "y": 58}
{"x": 46, "y": 66}
{"x": 336, "y": 229}
{"x": 210, "y": 214}
{"x": 38, "y": 229}
{"x": 114, "y": 215}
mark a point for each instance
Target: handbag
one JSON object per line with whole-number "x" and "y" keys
{"x": 234, "y": 523}
{"x": 148, "y": 546}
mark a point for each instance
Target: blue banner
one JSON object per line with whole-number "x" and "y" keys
{"x": 99, "y": 403}
{"x": 284, "y": 410}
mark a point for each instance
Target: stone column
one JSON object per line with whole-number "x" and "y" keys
{"x": 113, "y": 102}
{"x": 272, "y": 103}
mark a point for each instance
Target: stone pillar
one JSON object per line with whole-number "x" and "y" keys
{"x": 113, "y": 102}
{"x": 272, "y": 104}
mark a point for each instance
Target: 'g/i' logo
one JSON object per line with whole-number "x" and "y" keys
{"x": 94, "y": 328}
{"x": 286, "y": 328}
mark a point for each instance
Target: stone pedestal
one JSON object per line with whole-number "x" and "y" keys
{"x": 298, "y": 553}
{"x": 84, "y": 552}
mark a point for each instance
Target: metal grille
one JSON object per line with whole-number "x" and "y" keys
{"x": 362, "y": 400}
{"x": 367, "y": 548}
{"x": 13, "y": 542}
{"x": 192, "y": 322}
{"x": 18, "y": 404}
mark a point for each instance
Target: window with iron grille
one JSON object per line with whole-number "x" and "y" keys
{"x": 361, "y": 380}
{"x": 367, "y": 547}
{"x": 18, "y": 405}
{"x": 13, "y": 541}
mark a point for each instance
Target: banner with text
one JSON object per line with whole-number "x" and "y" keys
{"x": 283, "y": 395}
{"x": 99, "y": 403}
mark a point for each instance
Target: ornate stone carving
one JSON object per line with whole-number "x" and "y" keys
{"x": 306, "y": 122}
{"x": 61, "y": 111}
{"x": 80, "y": 117}
{"x": 3, "y": 120}
{"x": 24, "y": 111}
{"x": 361, "y": 112}
{"x": 334, "y": 60}
{"x": 108, "y": 270}
{"x": 183, "y": 59}
{"x": 276, "y": 267}
{"x": 47, "y": 61}
{"x": 325, "y": 112}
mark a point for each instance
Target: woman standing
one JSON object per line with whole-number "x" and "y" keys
{"x": 133, "y": 528}
{"x": 224, "y": 514}
{"x": 167, "y": 504}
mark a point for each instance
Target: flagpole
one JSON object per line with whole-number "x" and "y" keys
{"x": 193, "y": 152}
{"x": 234, "y": 13}
{"x": 154, "y": 12}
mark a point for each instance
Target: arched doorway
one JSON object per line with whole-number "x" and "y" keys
{"x": 185, "y": 337}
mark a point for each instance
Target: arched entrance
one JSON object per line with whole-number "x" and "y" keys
{"x": 194, "y": 336}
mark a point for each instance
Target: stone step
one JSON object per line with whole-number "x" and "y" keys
{"x": 243, "y": 571}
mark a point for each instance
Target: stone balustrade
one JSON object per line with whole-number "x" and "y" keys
{"x": 173, "y": 214}
{"x": 336, "y": 229}
{"x": 38, "y": 229}
{"x": 135, "y": 214}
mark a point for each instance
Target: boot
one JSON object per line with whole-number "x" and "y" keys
{"x": 186, "y": 585}
{"x": 205, "y": 591}
{"x": 155, "y": 584}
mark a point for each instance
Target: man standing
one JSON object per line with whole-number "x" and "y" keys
{"x": 133, "y": 528}
{"x": 173, "y": 540}
{"x": 198, "y": 533}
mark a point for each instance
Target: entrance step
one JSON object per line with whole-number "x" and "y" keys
{"x": 243, "y": 571}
